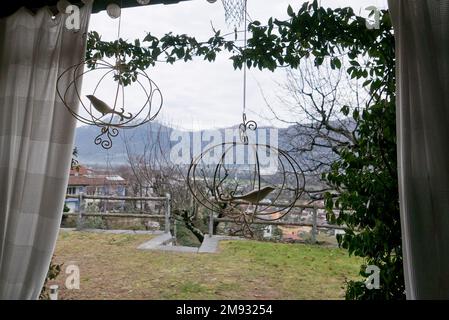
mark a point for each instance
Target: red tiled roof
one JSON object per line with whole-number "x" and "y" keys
{"x": 86, "y": 181}
{"x": 88, "y": 177}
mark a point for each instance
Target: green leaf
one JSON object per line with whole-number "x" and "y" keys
{"x": 290, "y": 11}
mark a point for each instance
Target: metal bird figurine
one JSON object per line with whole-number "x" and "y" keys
{"x": 253, "y": 197}
{"x": 102, "y": 107}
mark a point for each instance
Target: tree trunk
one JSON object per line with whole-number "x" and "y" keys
{"x": 189, "y": 225}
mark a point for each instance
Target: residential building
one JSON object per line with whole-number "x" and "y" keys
{"x": 95, "y": 183}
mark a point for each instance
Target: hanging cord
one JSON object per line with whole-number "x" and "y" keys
{"x": 119, "y": 21}
{"x": 245, "y": 35}
{"x": 118, "y": 62}
{"x": 245, "y": 125}
{"x": 119, "y": 28}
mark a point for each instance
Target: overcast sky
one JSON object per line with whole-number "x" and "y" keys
{"x": 199, "y": 94}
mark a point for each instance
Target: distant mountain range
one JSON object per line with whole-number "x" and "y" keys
{"x": 91, "y": 154}
{"x": 155, "y": 133}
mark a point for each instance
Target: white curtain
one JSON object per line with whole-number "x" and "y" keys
{"x": 36, "y": 138}
{"x": 421, "y": 29}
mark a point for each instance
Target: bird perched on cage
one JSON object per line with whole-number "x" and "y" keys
{"x": 103, "y": 107}
{"x": 253, "y": 197}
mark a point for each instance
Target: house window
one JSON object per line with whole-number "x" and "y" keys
{"x": 99, "y": 191}
{"x": 71, "y": 190}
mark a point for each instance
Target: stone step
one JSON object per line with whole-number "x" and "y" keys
{"x": 177, "y": 249}
{"x": 210, "y": 244}
{"x": 160, "y": 240}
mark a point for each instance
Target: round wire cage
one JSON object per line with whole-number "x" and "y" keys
{"x": 265, "y": 185}
{"x": 122, "y": 97}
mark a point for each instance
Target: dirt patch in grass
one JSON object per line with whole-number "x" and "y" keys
{"x": 112, "y": 268}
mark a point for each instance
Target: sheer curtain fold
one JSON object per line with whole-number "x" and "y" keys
{"x": 36, "y": 141}
{"x": 422, "y": 65}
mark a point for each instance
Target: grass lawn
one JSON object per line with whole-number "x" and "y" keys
{"x": 112, "y": 268}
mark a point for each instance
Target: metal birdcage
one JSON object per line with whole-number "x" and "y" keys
{"x": 249, "y": 190}
{"x": 245, "y": 191}
{"x": 122, "y": 94}
{"x": 121, "y": 97}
